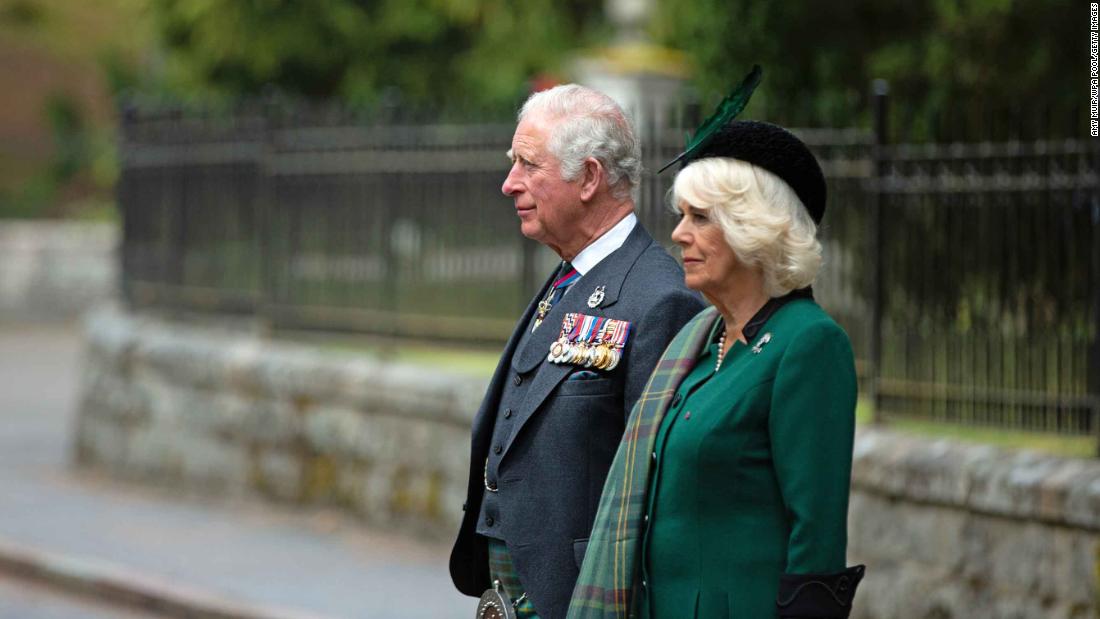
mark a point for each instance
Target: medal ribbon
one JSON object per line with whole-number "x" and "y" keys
{"x": 579, "y": 325}
{"x": 567, "y": 325}
{"x": 621, "y": 334}
{"x": 590, "y": 325}
{"x": 617, "y": 334}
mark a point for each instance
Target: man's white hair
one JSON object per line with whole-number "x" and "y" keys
{"x": 589, "y": 124}
{"x": 761, "y": 218}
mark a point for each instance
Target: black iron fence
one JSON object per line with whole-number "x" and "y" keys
{"x": 967, "y": 275}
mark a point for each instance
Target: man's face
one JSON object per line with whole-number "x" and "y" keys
{"x": 549, "y": 208}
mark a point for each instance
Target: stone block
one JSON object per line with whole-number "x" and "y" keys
{"x": 100, "y": 442}
{"x": 272, "y": 423}
{"x": 215, "y": 465}
{"x": 376, "y": 492}
{"x": 1082, "y": 502}
{"x": 334, "y": 430}
{"x": 157, "y": 452}
{"x": 277, "y": 474}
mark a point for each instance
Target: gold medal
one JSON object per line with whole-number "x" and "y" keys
{"x": 580, "y": 349}
{"x": 601, "y": 357}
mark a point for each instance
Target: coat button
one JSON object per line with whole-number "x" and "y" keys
{"x": 645, "y": 518}
{"x": 497, "y": 449}
{"x": 654, "y": 456}
{"x": 489, "y": 521}
{"x": 517, "y": 380}
{"x": 507, "y": 413}
{"x": 644, "y": 583}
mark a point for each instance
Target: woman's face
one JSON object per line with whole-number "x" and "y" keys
{"x": 709, "y": 262}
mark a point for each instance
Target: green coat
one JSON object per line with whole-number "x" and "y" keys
{"x": 751, "y": 469}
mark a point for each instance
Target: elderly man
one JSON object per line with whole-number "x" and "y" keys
{"x": 580, "y": 356}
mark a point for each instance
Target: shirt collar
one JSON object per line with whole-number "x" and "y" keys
{"x": 607, "y": 243}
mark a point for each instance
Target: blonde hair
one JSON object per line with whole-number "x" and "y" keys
{"x": 761, "y": 218}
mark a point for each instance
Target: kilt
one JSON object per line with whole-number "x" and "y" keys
{"x": 502, "y": 569}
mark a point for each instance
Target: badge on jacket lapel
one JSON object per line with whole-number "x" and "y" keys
{"x": 596, "y": 297}
{"x": 590, "y": 341}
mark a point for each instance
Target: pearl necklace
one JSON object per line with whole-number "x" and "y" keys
{"x": 721, "y": 350}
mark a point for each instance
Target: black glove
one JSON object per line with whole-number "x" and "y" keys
{"x": 818, "y": 596}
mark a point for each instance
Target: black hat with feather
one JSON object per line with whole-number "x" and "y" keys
{"x": 765, "y": 145}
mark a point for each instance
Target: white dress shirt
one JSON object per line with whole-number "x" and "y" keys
{"x": 602, "y": 247}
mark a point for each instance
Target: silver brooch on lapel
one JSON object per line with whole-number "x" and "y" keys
{"x": 596, "y": 297}
{"x": 760, "y": 343}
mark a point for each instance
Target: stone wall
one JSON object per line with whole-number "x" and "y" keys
{"x": 948, "y": 531}
{"x": 54, "y": 270}
{"x": 952, "y": 531}
{"x": 229, "y": 412}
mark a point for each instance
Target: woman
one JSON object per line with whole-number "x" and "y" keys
{"x": 729, "y": 494}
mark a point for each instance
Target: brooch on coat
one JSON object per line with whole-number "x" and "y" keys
{"x": 590, "y": 341}
{"x": 761, "y": 343}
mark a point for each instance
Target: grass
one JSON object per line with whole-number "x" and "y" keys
{"x": 474, "y": 362}
{"x": 1056, "y": 444}
{"x": 468, "y": 360}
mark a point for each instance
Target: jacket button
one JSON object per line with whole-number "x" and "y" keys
{"x": 654, "y": 456}
{"x": 645, "y": 518}
{"x": 517, "y": 380}
{"x": 507, "y": 413}
{"x": 497, "y": 449}
{"x": 489, "y": 521}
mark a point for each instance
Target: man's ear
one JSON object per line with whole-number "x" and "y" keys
{"x": 591, "y": 178}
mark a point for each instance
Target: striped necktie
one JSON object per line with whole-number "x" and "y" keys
{"x": 566, "y": 276}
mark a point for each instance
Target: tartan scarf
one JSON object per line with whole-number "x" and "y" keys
{"x": 605, "y": 586}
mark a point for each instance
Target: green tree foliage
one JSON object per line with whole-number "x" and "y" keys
{"x": 939, "y": 55}
{"x": 420, "y": 51}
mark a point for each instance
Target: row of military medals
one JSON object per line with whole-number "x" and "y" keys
{"x": 591, "y": 341}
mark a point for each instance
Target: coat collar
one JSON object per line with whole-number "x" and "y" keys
{"x": 608, "y": 273}
{"x": 757, "y": 322}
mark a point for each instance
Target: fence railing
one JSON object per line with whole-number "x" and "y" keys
{"x": 967, "y": 275}
{"x": 989, "y": 273}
